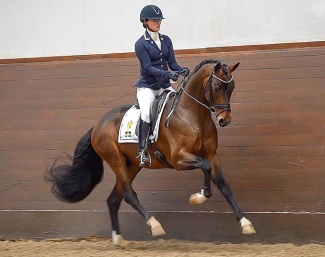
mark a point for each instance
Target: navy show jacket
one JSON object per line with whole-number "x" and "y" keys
{"x": 154, "y": 62}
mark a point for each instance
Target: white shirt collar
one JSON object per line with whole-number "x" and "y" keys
{"x": 152, "y": 34}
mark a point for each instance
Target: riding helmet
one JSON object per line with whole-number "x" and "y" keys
{"x": 151, "y": 12}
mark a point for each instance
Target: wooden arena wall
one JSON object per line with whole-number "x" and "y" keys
{"x": 272, "y": 154}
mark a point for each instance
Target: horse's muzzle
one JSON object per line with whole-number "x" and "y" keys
{"x": 224, "y": 118}
{"x": 224, "y": 122}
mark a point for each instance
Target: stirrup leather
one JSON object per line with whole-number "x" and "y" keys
{"x": 145, "y": 158}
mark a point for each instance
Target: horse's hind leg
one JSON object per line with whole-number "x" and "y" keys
{"x": 114, "y": 202}
{"x": 219, "y": 181}
{"x": 123, "y": 189}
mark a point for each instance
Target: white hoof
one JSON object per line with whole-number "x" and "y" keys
{"x": 247, "y": 226}
{"x": 156, "y": 228}
{"x": 118, "y": 239}
{"x": 198, "y": 198}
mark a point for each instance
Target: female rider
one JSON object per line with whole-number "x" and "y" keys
{"x": 156, "y": 54}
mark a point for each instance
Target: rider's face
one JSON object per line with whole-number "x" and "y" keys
{"x": 153, "y": 25}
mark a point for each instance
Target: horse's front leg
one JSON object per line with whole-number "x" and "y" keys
{"x": 189, "y": 162}
{"x": 219, "y": 181}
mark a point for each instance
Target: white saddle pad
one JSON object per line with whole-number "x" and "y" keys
{"x": 129, "y": 123}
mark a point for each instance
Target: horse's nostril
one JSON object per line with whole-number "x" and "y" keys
{"x": 223, "y": 122}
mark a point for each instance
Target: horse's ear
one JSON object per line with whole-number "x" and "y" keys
{"x": 234, "y": 67}
{"x": 217, "y": 67}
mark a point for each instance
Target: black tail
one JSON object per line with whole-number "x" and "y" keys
{"x": 74, "y": 182}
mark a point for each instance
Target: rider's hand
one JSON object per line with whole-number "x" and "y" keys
{"x": 185, "y": 71}
{"x": 173, "y": 75}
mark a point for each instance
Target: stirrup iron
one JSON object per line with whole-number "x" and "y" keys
{"x": 145, "y": 158}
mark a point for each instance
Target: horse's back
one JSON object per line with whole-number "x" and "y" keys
{"x": 107, "y": 127}
{"x": 114, "y": 115}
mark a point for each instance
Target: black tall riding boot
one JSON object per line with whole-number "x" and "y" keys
{"x": 145, "y": 159}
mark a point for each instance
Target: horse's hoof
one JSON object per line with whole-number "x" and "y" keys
{"x": 158, "y": 231}
{"x": 118, "y": 239}
{"x": 197, "y": 198}
{"x": 156, "y": 228}
{"x": 248, "y": 229}
{"x": 247, "y": 226}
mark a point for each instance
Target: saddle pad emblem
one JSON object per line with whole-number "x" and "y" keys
{"x": 128, "y": 134}
{"x": 129, "y": 124}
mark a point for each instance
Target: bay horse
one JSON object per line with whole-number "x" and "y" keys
{"x": 188, "y": 142}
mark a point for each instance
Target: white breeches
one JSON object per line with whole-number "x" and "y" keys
{"x": 145, "y": 97}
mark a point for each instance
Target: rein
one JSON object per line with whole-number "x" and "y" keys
{"x": 213, "y": 107}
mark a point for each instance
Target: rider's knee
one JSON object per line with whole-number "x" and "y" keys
{"x": 145, "y": 117}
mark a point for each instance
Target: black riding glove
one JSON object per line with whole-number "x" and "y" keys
{"x": 185, "y": 71}
{"x": 173, "y": 75}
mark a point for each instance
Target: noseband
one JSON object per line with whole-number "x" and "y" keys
{"x": 213, "y": 107}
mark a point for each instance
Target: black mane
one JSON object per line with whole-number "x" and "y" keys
{"x": 199, "y": 67}
{"x": 204, "y": 63}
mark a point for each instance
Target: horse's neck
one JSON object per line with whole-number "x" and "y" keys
{"x": 194, "y": 103}
{"x": 196, "y": 85}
